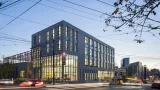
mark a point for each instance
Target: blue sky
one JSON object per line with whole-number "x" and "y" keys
{"x": 123, "y": 44}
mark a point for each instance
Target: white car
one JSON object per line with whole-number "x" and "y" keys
{"x": 6, "y": 81}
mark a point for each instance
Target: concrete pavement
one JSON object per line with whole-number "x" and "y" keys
{"x": 60, "y": 86}
{"x": 82, "y": 85}
{"x": 113, "y": 87}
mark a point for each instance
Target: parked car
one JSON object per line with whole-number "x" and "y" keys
{"x": 34, "y": 82}
{"x": 156, "y": 84}
{"x": 6, "y": 82}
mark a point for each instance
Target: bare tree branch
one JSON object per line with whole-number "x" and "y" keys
{"x": 134, "y": 16}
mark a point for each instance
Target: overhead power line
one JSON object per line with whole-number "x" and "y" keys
{"x": 13, "y": 3}
{"x": 30, "y": 21}
{"x": 68, "y": 12}
{"x": 9, "y": 38}
{"x": 3, "y": 2}
{"x": 48, "y": 25}
{"x": 73, "y": 8}
{"x": 24, "y": 19}
{"x": 13, "y": 36}
{"x": 154, "y": 35}
{"x": 87, "y": 7}
{"x": 12, "y": 40}
{"x": 20, "y": 15}
{"x": 105, "y": 3}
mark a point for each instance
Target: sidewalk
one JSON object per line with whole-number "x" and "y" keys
{"x": 82, "y": 85}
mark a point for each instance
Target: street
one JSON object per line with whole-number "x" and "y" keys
{"x": 113, "y": 87}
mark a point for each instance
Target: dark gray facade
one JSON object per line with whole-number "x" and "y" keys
{"x": 145, "y": 73}
{"x": 69, "y": 54}
{"x": 135, "y": 70}
{"x": 22, "y": 70}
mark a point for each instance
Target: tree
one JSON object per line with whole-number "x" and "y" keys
{"x": 6, "y": 70}
{"x": 137, "y": 16}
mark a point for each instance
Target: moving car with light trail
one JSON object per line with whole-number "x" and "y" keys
{"x": 34, "y": 82}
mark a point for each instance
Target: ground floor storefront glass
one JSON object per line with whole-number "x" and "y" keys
{"x": 105, "y": 75}
{"x": 67, "y": 72}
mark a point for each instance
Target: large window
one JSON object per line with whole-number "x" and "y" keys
{"x": 53, "y": 33}
{"x": 95, "y": 53}
{"x": 105, "y": 75}
{"x": 59, "y": 34}
{"x": 90, "y": 75}
{"x": 35, "y": 39}
{"x": 71, "y": 41}
{"x": 47, "y": 68}
{"x": 47, "y": 35}
{"x": 86, "y": 51}
{"x": 59, "y": 45}
{"x": 86, "y": 56}
{"x": 91, "y": 52}
{"x": 47, "y": 48}
{"x": 22, "y": 74}
{"x": 91, "y": 57}
{"x": 67, "y": 38}
{"x": 70, "y": 68}
{"x": 98, "y": 55}
{"x": 59, "y": 31}
{"x": 39, "y": 38}
{"x": 86, "y": 40}
{"x": 75, "y": 41}
{"x": 35, "y": 53}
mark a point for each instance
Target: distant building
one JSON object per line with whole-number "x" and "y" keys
{"x": 116, "y": 67}
{"x": 135, "y": 70}
{"x": 125, "y": 63}
{"x": 145, "y": 74}
{"x": 154, "y": 71}
{"x": 120, "y": 72}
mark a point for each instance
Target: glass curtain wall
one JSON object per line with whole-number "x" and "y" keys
{"x": 36, "y": 61}
{"x": 105, "y": 75}
{"x": 70, "y": 68}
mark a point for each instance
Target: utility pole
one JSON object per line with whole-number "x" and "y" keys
{"x": 53, "y": 62}
{"x": 63, "y": 64}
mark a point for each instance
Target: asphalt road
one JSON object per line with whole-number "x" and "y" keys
{"x": 114, "y": 87}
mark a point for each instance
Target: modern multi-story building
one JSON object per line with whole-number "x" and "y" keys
{"x": 135, "y": 70}
{"x": 63, "y": 52}
{"x": 125, "y": 63}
